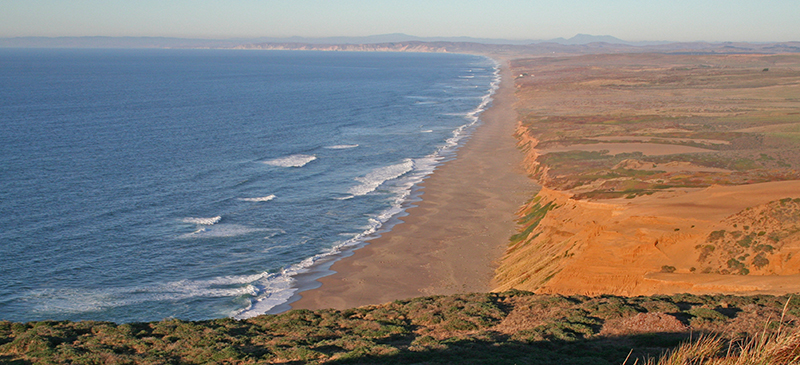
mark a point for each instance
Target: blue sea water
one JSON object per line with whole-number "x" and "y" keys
{"x": 137, "y": 185}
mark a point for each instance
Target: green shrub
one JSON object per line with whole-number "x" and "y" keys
{"x": 716, "y": 236}
{"x": 702, "y": 316}
{"x": 458, "y": 324}
{"x": 659, "y": 306}
{"x": 746, "y": 240}
{"x": 612, "y": 307}
{"x": 760, "y": 261}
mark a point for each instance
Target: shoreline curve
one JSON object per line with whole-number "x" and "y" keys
{"x": 451, "y": 241}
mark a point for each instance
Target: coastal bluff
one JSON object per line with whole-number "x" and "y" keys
{"x": 661, "y": 174}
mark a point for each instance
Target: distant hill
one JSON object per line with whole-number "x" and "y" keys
{"x": 169, "y": 42}
{"x": 579, "y": 44}
{"x": 588, "y": 38}
{"x": 510, "y": 50}
{"x": 392, "y": 38}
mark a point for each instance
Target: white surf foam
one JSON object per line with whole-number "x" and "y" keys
{"x": 223, "y": 230}
{"x": 203, "y": 221}
{"x": 77, "y": 300}
{"x": 371, "y": 181}
{"x": 259, "y": 199}
{"x": 276, "y": 289}
{"x": 291, "y": 161}
{"x": 341, "y": 146}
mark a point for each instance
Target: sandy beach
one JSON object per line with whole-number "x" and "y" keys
{"x": 453, "y": 240}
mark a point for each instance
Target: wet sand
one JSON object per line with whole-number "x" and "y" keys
{"x": 453, "y": 240}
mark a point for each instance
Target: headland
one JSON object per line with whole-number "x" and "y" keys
{"x": 662, "y": 174}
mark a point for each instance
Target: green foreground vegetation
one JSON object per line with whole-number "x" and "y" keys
{"x": 496, "y": 328}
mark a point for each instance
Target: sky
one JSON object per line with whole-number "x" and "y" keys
{"x": 632, "y": 20}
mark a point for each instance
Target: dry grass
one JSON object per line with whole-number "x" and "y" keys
{"x": 782, "y": 347}
{"x": 643, "y": 323}
{"x": 767, "y": 348}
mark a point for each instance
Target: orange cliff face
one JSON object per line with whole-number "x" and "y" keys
{"x": 639, "y": 201}
{"x": 652, "y": 245}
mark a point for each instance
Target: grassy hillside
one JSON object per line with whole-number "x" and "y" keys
{"x": 499, "y": 328}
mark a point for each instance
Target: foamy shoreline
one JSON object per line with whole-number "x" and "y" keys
{"x": 303, "y": 276}
{"x": 450, "y": 239}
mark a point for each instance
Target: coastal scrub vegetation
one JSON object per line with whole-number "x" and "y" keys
{"x": 530, "y": 216}
{"x": 749, "y": 240}
{"x": 488, "y": 328}
{"x": 610, "y": 126}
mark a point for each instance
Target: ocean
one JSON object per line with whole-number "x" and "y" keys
{"x": 138, "y": 185}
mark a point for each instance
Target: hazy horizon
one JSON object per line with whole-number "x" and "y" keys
{"x": 632, "y": 21}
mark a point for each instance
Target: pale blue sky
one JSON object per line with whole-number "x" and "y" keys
{"x": 633, "y": 20}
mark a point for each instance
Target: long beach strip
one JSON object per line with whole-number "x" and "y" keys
{"x": 452, "y": 241}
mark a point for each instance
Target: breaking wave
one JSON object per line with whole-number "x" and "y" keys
{"x": 371, "y": 181}
{"x": 341, "y": 146}
{"x": 223, "y": 230}
{"x": 259, "y": 199}
{"x": 291, "y": 161}
{"x": 203, "y": 221}
{"x": 77, "y": 300}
